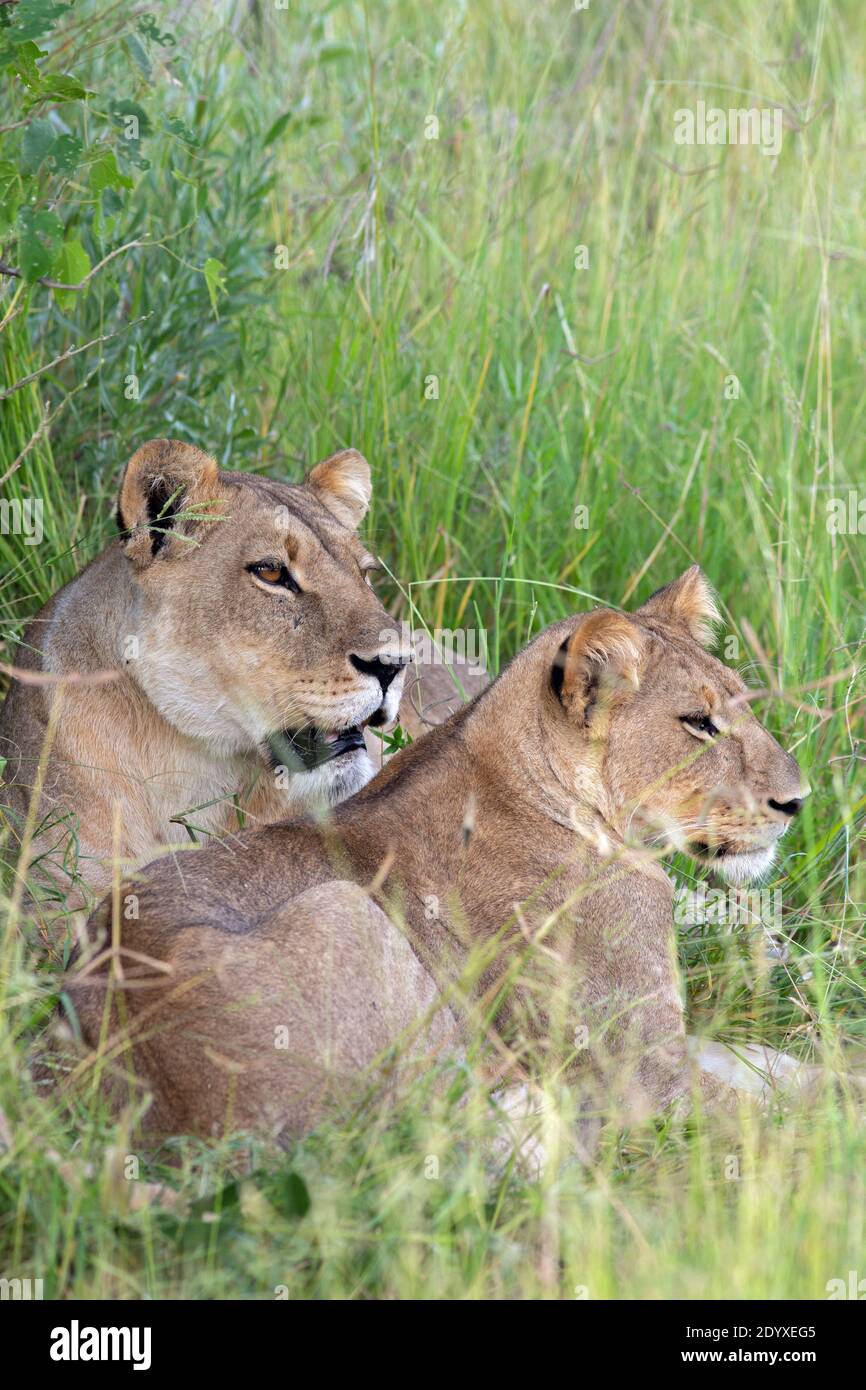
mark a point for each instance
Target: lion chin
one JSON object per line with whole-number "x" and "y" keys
{"x": 745, "y": 867}
{"x": 332, "y": 782}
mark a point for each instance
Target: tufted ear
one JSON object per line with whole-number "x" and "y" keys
{"x": 167, "y": 491}
{"x": 687, "y": 603}
{"x": 597, "y": 662}
{"x": 342, "y": 484}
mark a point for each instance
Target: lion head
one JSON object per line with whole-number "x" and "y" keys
{"x": 640, "y": 723}
{"x": 255, "y": 624}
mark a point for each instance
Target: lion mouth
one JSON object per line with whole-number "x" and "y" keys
{"x": 306, "y": 748}
{"x": 709, "y": 852}
{"x": 313, "y": 747}
{"x": 700, "y": 849}
{"x": 737, "y": 866}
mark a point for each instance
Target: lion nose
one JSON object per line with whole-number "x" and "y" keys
{"x": 384, "y": 671}
{"x": 787, "y": 808}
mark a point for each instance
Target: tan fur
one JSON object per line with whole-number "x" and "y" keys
{"x": 208, "y": 663}
{"x": 515, "y": 838}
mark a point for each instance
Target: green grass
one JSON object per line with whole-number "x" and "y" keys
{"x": 557, "y": 387}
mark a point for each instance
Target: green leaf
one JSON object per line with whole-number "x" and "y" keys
{"x": 184, "y": 178}
{"x": 278, "y": 127}
{"x": 307, "y": 119}
{"x": 209, "y": 1222}
{"x": 33, "y": 18}
{"x": 288, "y": 1193}
{"x": 61, "y": 87}
{"x": 121, "y": 111}
{"x": 39, "y": 238}
{"x": 334, "y": 52}
{"x": 73, "y": 264}
{"x": 10, "y": 195}
{"x": 133, "y": 124}
{"x": 66, "y": 154}
{"x": 36, "y": 143}
{"x": 174, "y": 126}
{"x": 104, "y": 173}
{"x": 214, "y": 277}
{"x": 138, "y": 53}
{"x": 22, "y": 60}
{"x": 112, "y": 207}
{"x": 147, "y": 26}
{"x": 394, "y": 740}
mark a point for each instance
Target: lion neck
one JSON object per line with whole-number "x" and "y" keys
{"x": 115, "y": 730}
{"x": 486, "y": 799}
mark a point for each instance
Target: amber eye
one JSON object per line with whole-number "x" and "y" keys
{"x": 273, "y": 573}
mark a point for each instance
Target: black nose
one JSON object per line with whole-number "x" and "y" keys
{"x": 384, "y": 671}
{"x": 787, "y": 808}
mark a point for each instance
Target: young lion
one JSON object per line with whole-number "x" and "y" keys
{"x": 512, "y": 839}
{"x": 215, "y": 663}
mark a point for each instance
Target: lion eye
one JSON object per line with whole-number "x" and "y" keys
{"x": 273, "y": 573}
{"x": 700, "y": 724}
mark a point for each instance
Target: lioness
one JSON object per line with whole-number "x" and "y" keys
{"x": 513, "y": 837}
{"x": 247, "y": 650}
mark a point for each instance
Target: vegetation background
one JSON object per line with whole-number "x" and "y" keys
{"x": 295, "y": 228}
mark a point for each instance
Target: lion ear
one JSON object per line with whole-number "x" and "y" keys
{"x": 689, "y": 603}
{"x": 597, "y": 663}
{"x": 342, "y": 483}
{"x": 164, "y": 479}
